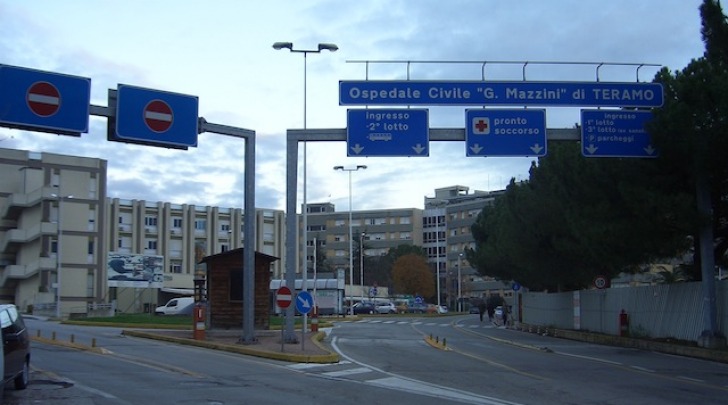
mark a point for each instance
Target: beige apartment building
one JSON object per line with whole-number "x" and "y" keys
{"x": 55, "y": 219}
{"x": 383, "y": 229}
{"x": 52, "y": 210}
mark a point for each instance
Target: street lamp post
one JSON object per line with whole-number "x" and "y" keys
{"x": 460, "y": 291}
{"x": 351, "y": 245}
{"x": 361, "y": 263}
{"x": 322, "y": 46}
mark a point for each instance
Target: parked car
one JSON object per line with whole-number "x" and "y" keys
{"x": 401, "y": 307}
{"x": 474, "y": 309}
{"x": 442, "y": 309}
{"x": 387, "y": 308}
{"x": 364, "y": 308}
{"x": 16, "y": 347}
{"x": 416, "y": 308}
{"x": 176, "y": 306}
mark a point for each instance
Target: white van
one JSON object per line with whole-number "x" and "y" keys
{"x": 176, "y": 306}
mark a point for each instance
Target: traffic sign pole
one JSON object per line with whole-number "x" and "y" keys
{"x": 283, "y": 300}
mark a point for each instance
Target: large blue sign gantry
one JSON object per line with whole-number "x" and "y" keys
{"x": 154, "y": 117}
{"x": 616, "y": 133}
{"x": 519, "y": 93}
{"x": 388, "y": 132}
{"x": 505, "y": 132}
{"x": 44, "y": 101}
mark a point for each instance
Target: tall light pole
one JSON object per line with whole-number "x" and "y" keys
{"x": 351, "y": 245}
{"x": 59, "y": 234}
{"x": 361, "y": 263}
{"x": 322, "y": 46}
{"x": 460, "y": 291}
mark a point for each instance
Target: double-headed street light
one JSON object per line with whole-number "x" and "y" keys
{"x": 351, "y": 246}
{"x": 322, "y": 46}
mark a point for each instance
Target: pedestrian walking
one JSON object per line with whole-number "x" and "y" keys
{"x": 481, "y": 309}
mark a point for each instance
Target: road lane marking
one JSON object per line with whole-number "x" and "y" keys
{"x": 351, "y": 371}
{"x": 405, "y": 384}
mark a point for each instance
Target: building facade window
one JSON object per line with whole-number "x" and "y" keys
{"x": 150, "y": 221}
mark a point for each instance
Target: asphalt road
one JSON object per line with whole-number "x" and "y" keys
{"x": 384, "y": 360}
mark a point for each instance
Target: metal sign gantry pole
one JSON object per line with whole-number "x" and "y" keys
{"x": 294, "y": 136}
{"x": 248, "y": 211}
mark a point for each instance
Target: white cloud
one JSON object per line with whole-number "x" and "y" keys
{"x": 221, "y": 52}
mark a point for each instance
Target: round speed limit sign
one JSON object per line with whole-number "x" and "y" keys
{"x": 600, "y": 282}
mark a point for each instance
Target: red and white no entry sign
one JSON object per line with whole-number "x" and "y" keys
{"x": 158, "y": 116}
{"x": 43, "y": 99}
{"x": 283, "y": 297}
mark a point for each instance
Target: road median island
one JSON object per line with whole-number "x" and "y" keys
{"x": 267, "y": 344}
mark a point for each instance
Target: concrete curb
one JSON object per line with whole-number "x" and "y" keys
{"x": 246, "y": 350}
{"x": 70, "y": 345}
{"x": 720, "y": 356}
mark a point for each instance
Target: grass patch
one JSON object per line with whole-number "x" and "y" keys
{"x": 168, "y": 320}
{"x": 142, "y": 319}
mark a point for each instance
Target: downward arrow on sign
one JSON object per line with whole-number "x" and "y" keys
{"x": 304, "y": 303}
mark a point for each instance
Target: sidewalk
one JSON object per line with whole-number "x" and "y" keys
{"x": 529, "y": 335}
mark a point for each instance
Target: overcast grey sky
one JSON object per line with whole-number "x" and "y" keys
{"x": 220, "y": 51}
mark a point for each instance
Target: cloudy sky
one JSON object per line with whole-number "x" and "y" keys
{"x": 220, "y": 51}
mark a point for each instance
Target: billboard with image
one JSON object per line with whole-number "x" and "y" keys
{"x": 135, "y": 270}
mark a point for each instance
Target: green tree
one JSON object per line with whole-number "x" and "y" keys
{"x": 576, "y": 218}
{"x": 690, "y": 131}
{"x": 412, "y": 275}
{"x": 382, "y": 265}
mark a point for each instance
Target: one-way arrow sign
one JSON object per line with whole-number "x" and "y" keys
{"x": 387, "y": 132}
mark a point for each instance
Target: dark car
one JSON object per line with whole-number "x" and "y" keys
{"x": 364, "y": 308}
{"x": 16, "y": 347}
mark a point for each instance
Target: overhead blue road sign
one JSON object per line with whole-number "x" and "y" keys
{"x": 616, "y": 133}
{"x": 566, "y": 94}
{"x": 154, "y": 117}
{"x": 304, "y": 302}
{"x": 503, "y": 132}
{"x": 44, "y": 101}
{"x": 387, "y": 132}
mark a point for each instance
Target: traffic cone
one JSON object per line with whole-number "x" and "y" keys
{"x": 314, "y": 319}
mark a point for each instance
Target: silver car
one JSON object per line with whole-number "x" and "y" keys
{"x": 387, "y": 308}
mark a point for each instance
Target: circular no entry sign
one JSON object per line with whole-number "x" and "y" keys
{"x": 283, "y": 297}
{"x": 158, "y": 116}
{"x": 43, "y": 99}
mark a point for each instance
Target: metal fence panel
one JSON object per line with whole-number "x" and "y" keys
{"x": 659, "y": 311}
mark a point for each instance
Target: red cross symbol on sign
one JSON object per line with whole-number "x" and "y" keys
{"x": 481, "y": 125}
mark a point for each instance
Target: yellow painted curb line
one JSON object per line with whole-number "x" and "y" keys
{"x": 247, "y": 350}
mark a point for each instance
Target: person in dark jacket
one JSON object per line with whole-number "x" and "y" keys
{"x": 481, "y": 309}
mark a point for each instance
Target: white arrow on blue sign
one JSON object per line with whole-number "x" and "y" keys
{"x": 304, "y": 302}
{"x": 505, "y": 132}
{"x": 616, "y": 133}
{"x": 387, "y": 132}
